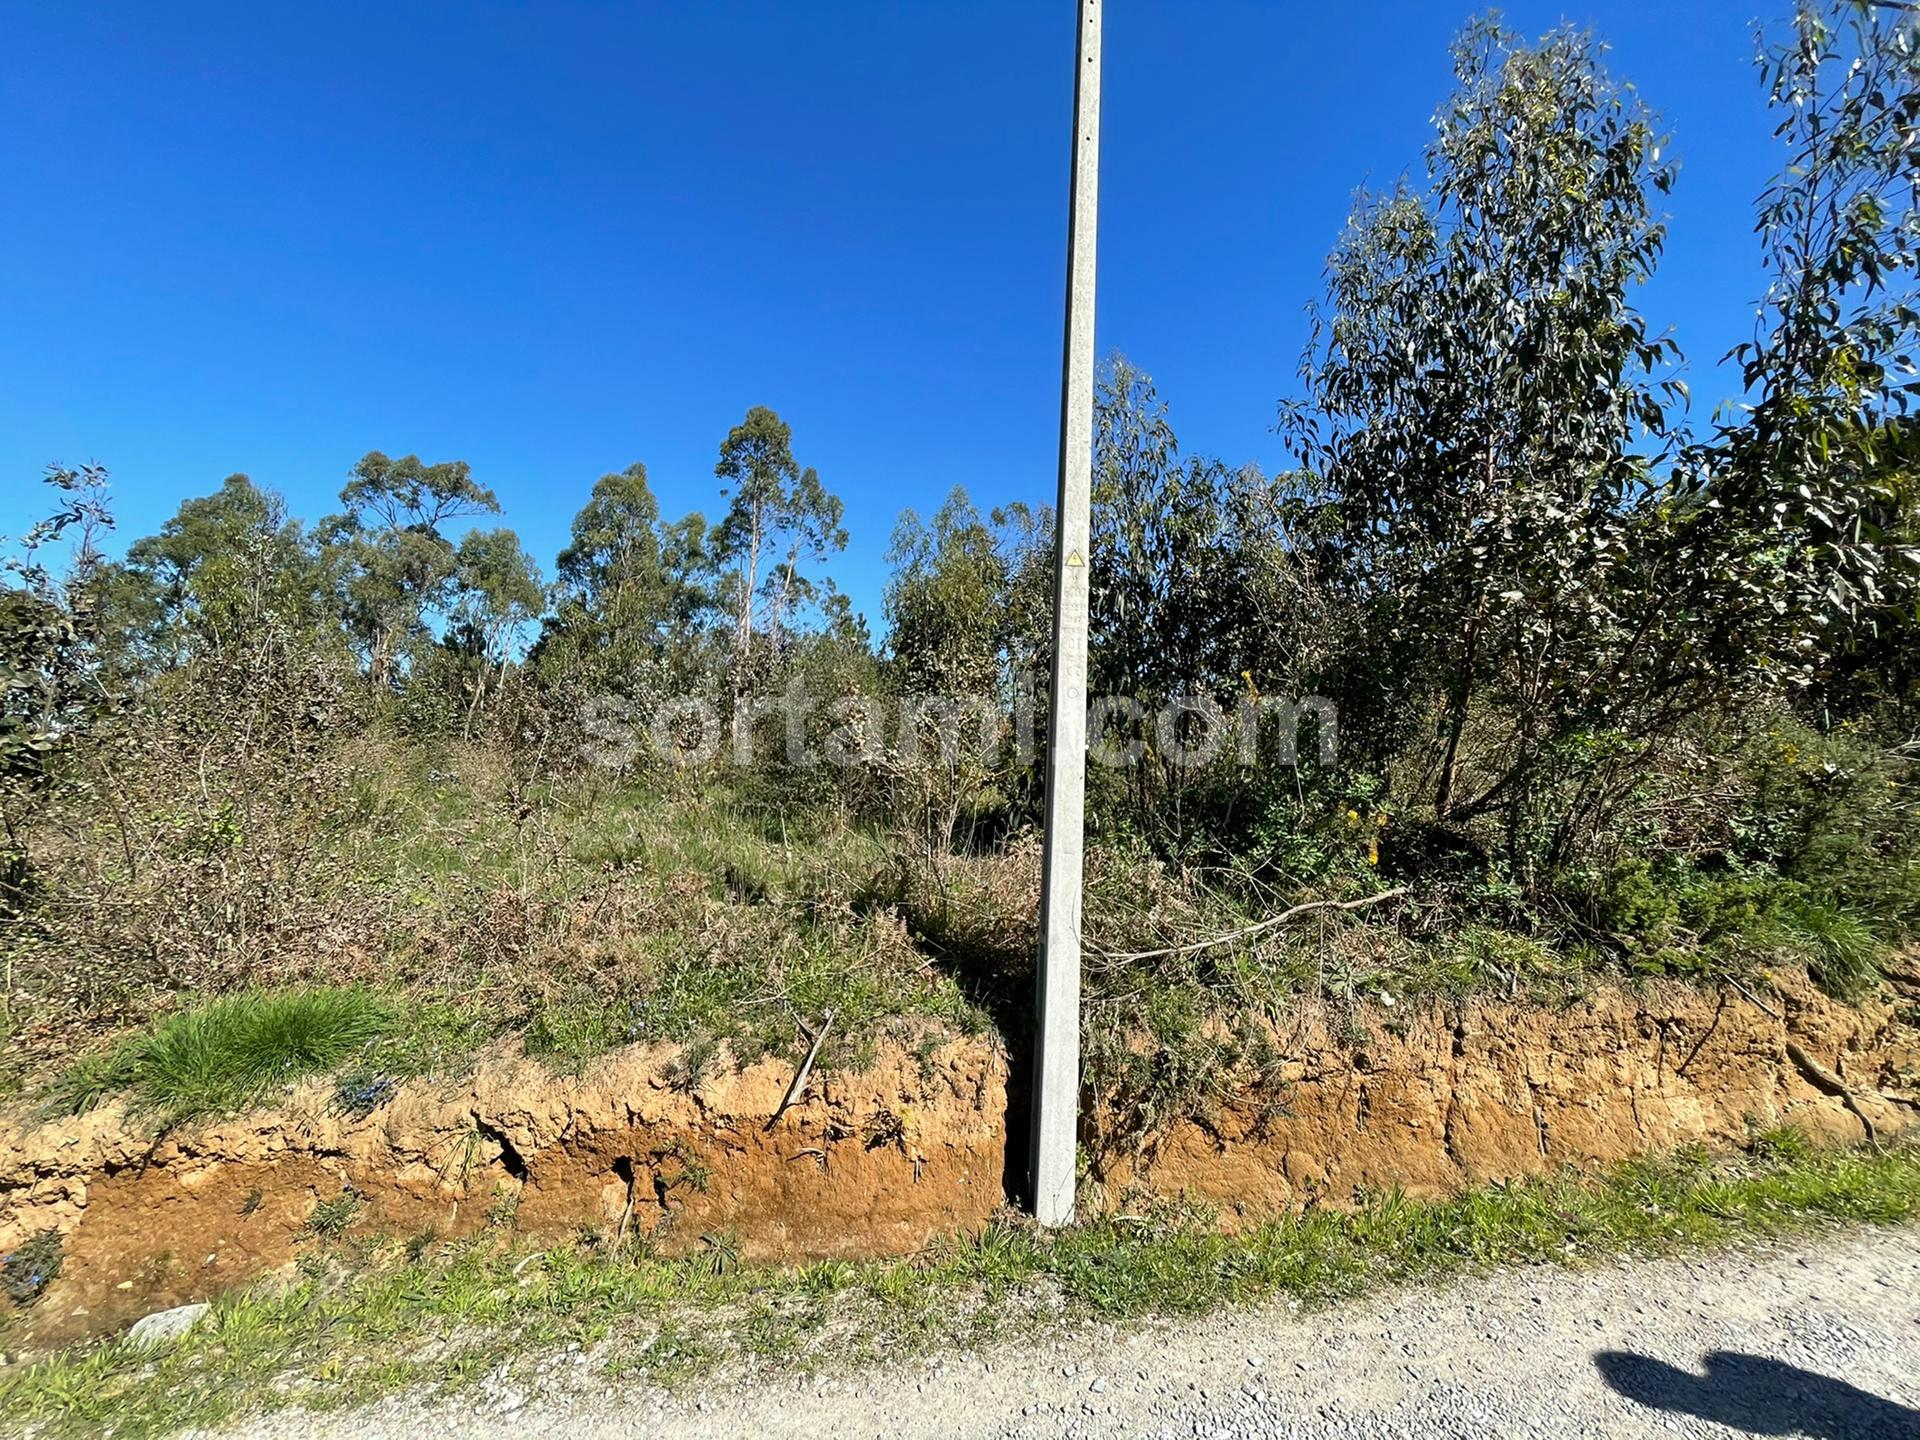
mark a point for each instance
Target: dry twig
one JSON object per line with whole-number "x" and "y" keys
{"x": 1258, "y": 928}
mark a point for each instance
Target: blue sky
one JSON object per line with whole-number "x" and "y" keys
{"x": 554, "y": 239}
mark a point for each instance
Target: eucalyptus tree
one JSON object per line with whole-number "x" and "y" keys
{"x": 945, "y": 601}
{"x": 50, "y": 688}
{"x": 629, "y": 592}
{"x": 225, "y": 569}
{"x": 1486, "y": 408}
{"x": 1177, "y": 613}
{"x": 390, "y": 560}
{"x": 777, "y": 514}
{"x": 1177, "y": 542}
{"x": 496, "y": 594}
{"x": 951, "y": 618}
{"x": 48, "y": 684}
{"x": 1800, "y": 529}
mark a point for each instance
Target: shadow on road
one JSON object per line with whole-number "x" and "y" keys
{"x": 1760, "y": 1396}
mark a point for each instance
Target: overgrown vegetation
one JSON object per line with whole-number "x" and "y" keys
{"x": 447, "y": 1317}
{"x": 1597, "y": 691}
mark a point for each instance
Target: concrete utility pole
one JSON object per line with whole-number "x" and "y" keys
{"x": 1056, "y": 1090}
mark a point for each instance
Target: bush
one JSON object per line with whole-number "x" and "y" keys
{"x": 1836, "y": 809}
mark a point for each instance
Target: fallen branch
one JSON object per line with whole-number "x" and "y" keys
{"x": 626, "y": 1214}
{"x": 1258, "y": 928}
{"x": 1824, "y": 1079}
{"x": 806, "y": 1069}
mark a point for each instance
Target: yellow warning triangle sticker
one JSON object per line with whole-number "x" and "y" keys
{"x": 1073, "y": 558}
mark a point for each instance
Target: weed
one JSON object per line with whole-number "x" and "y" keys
{"x": 361, "y": 1092}
{"x": 723, "y": 1252}
{"x": 1843, "y": 952}
{"x": 693, "y": 1172}
{"x": 1784, "y": 1143}
{"x": 504, "y": 1209}
{"x": 31, "y": 1267}
{"x": 329, "y": 1219}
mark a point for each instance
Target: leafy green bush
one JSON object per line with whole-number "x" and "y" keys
{"x": 1837, "y": 810}
{"x": 1678, "y": 918}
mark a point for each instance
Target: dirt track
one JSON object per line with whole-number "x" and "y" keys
{"x": 1821, "y": 1339}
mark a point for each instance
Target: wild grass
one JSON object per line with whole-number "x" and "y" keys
{"x": 445, "y": 1320}
{"x": 228, "y": 1055}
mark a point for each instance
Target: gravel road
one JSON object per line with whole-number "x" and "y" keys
{"x": 1819, "y": 1339}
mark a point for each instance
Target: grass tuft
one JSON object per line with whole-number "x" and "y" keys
{"x": 226, "y": 1056}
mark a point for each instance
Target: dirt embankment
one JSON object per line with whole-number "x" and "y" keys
{"x": 878, "y": 1162}
{"x": 1458, "y": 1096}
{"x": 915, "y": 1146}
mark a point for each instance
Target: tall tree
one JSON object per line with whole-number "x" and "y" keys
{"x": 1800, "y": 526}
{"x": 1488, "y": 405}
{"x": 777, "y": 514}
{"x": 496, "y": 594}
{"x": 949, "y": 634}
{"x": 49, "y": 682}
{"x": 226, "y": 566}
{"x": 47, "y": 679}
{"x": 1174, "y": 542}
{"x": 391, "y": 560}
{"x": 629, "y": 588}
{"x": 946, "y": 602}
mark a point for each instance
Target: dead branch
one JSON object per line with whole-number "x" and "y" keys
{"x": 806, "y": 1069}
{"x": 1765, "y": 1008}
{"x": 1261, "y": 927}
{"x": 1824, "y": 1079}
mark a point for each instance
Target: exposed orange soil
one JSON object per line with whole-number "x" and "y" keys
{"x": 884, "y": 1160}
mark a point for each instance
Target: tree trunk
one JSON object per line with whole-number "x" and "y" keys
{"x": 1457, "y": 703}
{"x": 780, "y": 602}
{"x": 743, "y": 621}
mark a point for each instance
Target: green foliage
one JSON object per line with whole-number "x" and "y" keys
{"x": 960, "y": 636}
{"x": 46, "y": 625}
{"x": 631, "y": 591}
{"x": 1802, "y": 535}
{"x": 1607, "y": 695}
{"x": 226, "y": 569}
{"x": 777, "y": 514}
{"x": 1835, "y": 808}
{"x": 1485, "y": 403}
{"x": 230, "y": 1054}
{"x": 1680, "y": 919}
{"x": 391, "y": 562}
{"x": 329, "y": 1219}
